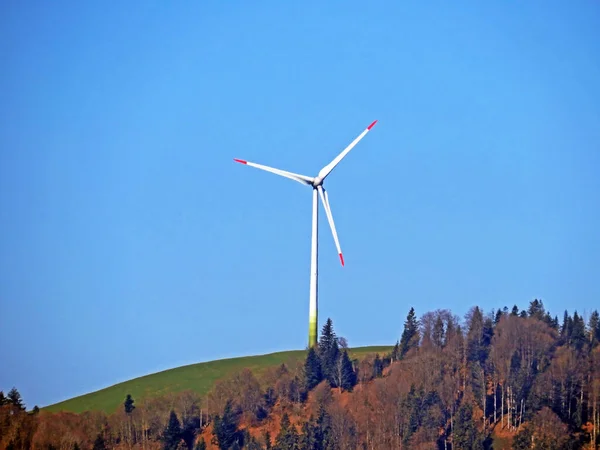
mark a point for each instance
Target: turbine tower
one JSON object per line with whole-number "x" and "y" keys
{"x": 318, "y": 191}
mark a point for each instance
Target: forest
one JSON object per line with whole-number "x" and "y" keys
{"x": 507, "y": 379}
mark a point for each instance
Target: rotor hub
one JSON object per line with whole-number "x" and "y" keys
{"x": 318, "y": 181}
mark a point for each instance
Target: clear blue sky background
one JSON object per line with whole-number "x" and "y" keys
{"x": 131, "y": 242}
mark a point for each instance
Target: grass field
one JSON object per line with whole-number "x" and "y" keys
{"x": 197, "y": 377}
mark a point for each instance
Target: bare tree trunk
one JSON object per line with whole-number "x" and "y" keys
{"x": 562, "y": 395}
{"x": 569, "y": 402}
{"x": 508, "y": 407}
{"x": 452, "y": 424}
{"x": 521, "y": 415}
{"x": 595, "y": 418}
{"x": 484, "y": 399}
{"x": 495, "y": 401}
{"x": 502, "y": 407}
{"x": 581, "y": 394}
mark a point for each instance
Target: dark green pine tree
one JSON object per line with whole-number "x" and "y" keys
{"x": 577, "y": 337}
{"x": 3, "y": 399}
{"x": 410, "y": 335}
{"x": 328, "y": 351}
{"x": 128, "y": 404}
{"x": 323, "y": 435}
{"x": 226, "y": 427}
{"x": 307, "y": 434}
{"x": 594, "y": 328}
{"x": 466, "y": 434}
{"x": 438, "y": 333}
{"x": 515, "y": 311}
{"x": 479, "y": 336}
{"x": 396, "y": 352}
{"x": 253, "y": 444}
{"x": 565, "y": 327}
{"x": 267, "y": 440}
{"x": 201, "y": 444}
{"x": 189, "y": 429}
{"x": 99, "y": 443}
{"x": 348, "y": 374}
{"x": 14, "y": 398}
{"x": 377, "y": 366}
{"x": 287, "y": 439}
{"x": 312, "y": 369}
{"x": 172, "y": 433}
{"x": 498, "y": 316}
{"x": 536, "y": 309}
{"x": 522, "y": 441}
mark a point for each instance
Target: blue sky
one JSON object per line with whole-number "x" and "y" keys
{"x": 131, "y": 241}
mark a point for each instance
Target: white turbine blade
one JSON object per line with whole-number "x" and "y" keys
{"x": 325, "y": 201}
{"x": 303, "y": 179}
{"x": 329, "y": 167}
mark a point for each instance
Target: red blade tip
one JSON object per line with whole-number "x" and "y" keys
{"x": 372, "y": 125}
{"x": 240, "y": 161}
{"x": 342, "y": 259}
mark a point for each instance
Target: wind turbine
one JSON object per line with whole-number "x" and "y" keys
{"x": 318, "y": 191}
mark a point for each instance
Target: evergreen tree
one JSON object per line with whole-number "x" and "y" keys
{"x": 267, "y": 440}
{"x": 201, "y": 445}
{"x": 410, "y": 335}
{"x": 307, "y": 436}
{"x": 99, "y": 443}
{"x": 377, "y": 367}
{"x": 128, "y": 404}
{"x": 594, "y": 328}
{"x": 348, "y": 375}
{"x": 536, "y": 309}
{"x": 465, "y": 431}
{"x": 3, "y": 399}
{"x": 438, "y": 333}
{"x": 253, "y": 444}
{"x": 287, "y": 439}
{"x": 323, "y": 436}
{"x": 172, "y": 433}
{"x": 515, "y": 311}
{"x": 498, "y": 316}
{"x": 14, "y": 398}
{"x": 312, "y": 369}
{"x": 564, "y": 330}
{"x": 328, "y": 351}
{"x": 523, "y": 314}
{"x": 577, "y": 335}
{"x": 226, "y": 427}
{"x": 522, "y": 441}
{"x": 189, "y": 429}
{"x": 396, "y": 352}
{"x": 476, "y": 336}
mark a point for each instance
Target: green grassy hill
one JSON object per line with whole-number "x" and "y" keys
{"x": 197, "y": 377}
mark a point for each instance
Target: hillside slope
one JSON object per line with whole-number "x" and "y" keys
{"x": 196, "y": 377}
